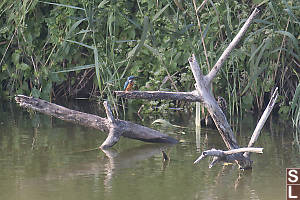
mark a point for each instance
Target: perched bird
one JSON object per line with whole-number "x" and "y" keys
{"x": 129, "y": 83}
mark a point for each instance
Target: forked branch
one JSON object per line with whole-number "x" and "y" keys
{"x": 114, "y": 127}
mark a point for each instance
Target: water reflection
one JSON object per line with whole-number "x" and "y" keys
{"x": 128, "y": 159}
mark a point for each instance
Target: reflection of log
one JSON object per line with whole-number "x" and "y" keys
{"x": 114, "y": 126}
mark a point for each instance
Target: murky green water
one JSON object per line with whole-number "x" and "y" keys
{"x": 45, "y": 158}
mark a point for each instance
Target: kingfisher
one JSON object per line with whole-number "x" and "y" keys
{"x": 129, "y": 83}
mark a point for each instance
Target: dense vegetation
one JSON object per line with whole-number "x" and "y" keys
{"x": 87, "y": 48}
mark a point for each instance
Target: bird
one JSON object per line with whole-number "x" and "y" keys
{"x": 129, "y": 83}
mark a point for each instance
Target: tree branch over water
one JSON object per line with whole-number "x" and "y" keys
{"x": 210, "y": 76}
{"x": 204, "y": 95}
{"x": 114, "y": 127}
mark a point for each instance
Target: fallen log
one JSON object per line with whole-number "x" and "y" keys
{"x": 114, "y": 127}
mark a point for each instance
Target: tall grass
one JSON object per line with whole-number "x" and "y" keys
{"x": 70, "y": 47}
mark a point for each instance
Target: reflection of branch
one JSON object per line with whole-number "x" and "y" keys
{"x": 128, "y": 158}
{"x": 109, "y": 166}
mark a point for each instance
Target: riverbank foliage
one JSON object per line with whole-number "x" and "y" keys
{"x": 52, "y": 49}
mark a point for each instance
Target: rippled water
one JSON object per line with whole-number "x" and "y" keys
{"x": 46, "y": 158}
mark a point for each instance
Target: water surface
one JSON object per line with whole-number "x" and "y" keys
{"x": 44, "y": 158}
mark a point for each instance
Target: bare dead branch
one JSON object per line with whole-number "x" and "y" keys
{"x": 226, "y": 155}
{"x": 262, "y": 120}
{"x": 109, "y": 114}
{"x": 112, "y": 138}
{"x": 231, "y": 46}
{"x": 115, "y": 131}
{"x": 155, "y": 95}
{"x": 212, "y": 106}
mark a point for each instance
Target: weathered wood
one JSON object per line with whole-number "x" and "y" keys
{"x": 155, "y": 95}
{"x": 262, "y": 121}
{"x": 217, "y": 114}
{"x": 210, "y": 76}
{"x": 114, "y": 131}
{"x": 212, "y": 106}
{"x": 128, "y": 129}
{"x": 112, "y": 138}
{"x": 221, "y": 153}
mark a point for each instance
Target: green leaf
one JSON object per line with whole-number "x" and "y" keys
{"x": 77, "y": 68}
{"x": 154, "y": 51}
{"x": 24, "y": 67}
{"x": 83, "y": 31}
{"x": 132, "y": 52}
{"x": 97, "y": 68}
{"x": 101, "y": 5}
{"x": 4, "y": 29}
{"x": 125, "y": 41}
{"x": 136, "y": 24}
{"x": 109, "y": 23}
{"x": 296, "y": 100}
{"x": 292, "y": 37}
{"x": 289, "y": 11}
{"x": 288, "y": 51}
{"x": 62, "y": 5}
{"x": 81, "y": 44}
{"x": 160, "y": 12}
{"x": 262, "y": 52}
{"x": 35, "y": 93}
{"x": 253, "y": 78}
{"x": 74, "y": 26}
{"x": 16, "y": 57}
{"x": 137, "y": 48}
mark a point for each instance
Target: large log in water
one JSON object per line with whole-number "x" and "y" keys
{"x": 114, "y": 127}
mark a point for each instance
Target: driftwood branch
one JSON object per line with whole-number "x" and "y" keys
{"x": 231, "y": 46}
{"x": 111, "y": 125}
{"x": 212, "y": 106}
{"x": 115, "y": 131}
{"x": 155, "y": 95}
{"x": 217, "y": 115}
{"x": 225, "y": 156}
{"x": 262, "y": 120}
{"x": 109, "y": 114}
